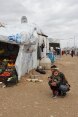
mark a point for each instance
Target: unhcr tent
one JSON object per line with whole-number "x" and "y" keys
{"x": 20, "y": 43}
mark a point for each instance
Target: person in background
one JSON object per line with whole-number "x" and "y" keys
{"x": 72, "y": 53}
{"x": 57, "y": 82}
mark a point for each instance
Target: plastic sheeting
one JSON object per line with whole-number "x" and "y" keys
{"x": 25, "y": 61}
{"x": 26, "y": 36}
{"x": 18, "y": 34}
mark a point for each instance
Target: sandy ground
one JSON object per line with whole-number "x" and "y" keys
{"x": 34, "y": 99}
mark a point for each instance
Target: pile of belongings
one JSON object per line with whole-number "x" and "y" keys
{"x": 8, "y": 74}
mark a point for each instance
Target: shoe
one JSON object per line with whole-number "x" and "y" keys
{"x": 63, "y": 93}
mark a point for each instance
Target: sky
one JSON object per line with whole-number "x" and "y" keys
{"x": 57, "y": 18}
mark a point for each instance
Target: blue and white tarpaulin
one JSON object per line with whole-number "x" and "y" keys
{"x": 25, "y": 36}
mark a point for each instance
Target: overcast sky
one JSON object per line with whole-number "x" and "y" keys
{"x": 57, "y": 18}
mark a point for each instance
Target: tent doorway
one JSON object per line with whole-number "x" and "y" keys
{"x": 8, "y": 55}
{"x": 8, "y": 51}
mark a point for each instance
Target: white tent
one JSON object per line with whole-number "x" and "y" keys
{"x": 25, "y": 36}
{"x": 54, "y": 40}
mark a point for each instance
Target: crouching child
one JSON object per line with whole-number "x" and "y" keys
{"x": 57, "y": 82}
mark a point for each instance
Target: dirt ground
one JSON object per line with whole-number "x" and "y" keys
{"x": 34, "y": 99}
